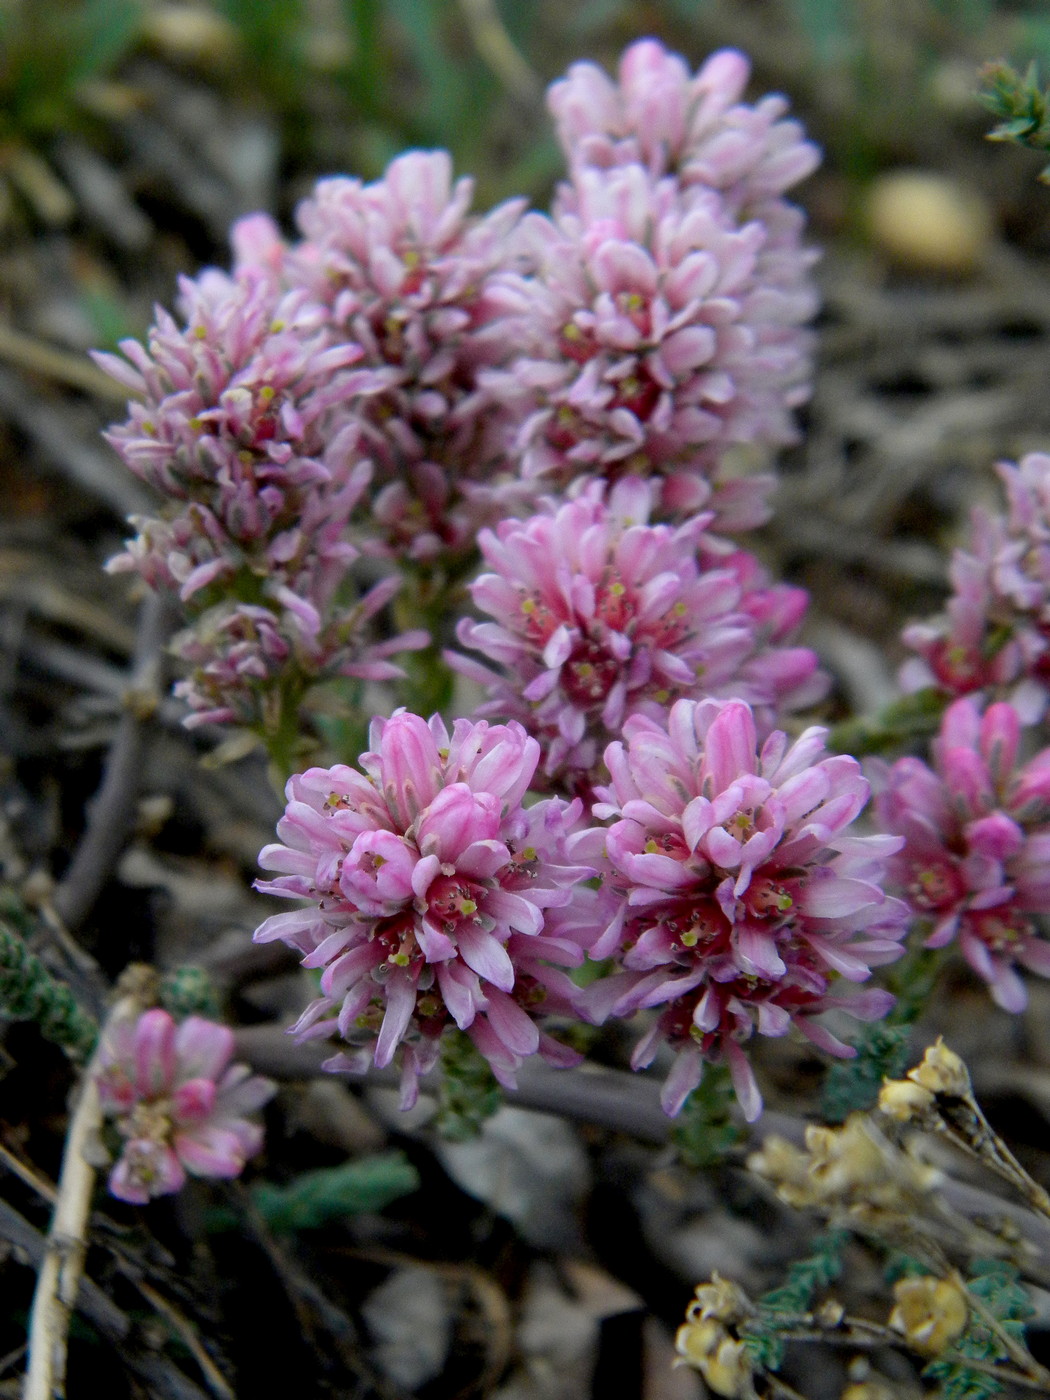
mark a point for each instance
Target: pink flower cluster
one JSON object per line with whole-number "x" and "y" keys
{"x": 243, "y": 431}
{"x": 975, "y": 864}
{"x": 178, "y": 1103}
{"x": 434, "y": 896}
{"x": 599, "y": 615}
{"x": 995, "y": 635}
{"x": 664, "y": 307}
{"x": 740, "y": 893}
{"x": 731, "y": 894}
{"x": 407, "y": 274}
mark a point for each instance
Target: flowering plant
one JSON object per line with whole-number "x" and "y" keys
{"x": 621, "y": 826}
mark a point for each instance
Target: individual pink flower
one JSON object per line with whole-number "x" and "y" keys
{"x": 178, "y": 1103}
{"x": 742, "y": 894}
{"x": 408, "y": 274}
{"x": 975, "y": 865}
{"x": 429, "y": 886}
{"x": 598, "y": 615}
{"x": 994, "y": 636}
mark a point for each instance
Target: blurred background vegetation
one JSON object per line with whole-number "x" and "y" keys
{"x": 319, "y": 86}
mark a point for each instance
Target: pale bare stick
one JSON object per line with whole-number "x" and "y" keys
{"x": 59, "y": 1277}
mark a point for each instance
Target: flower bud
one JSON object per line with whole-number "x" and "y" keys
{"x": 930, "y": 1313}
{"x": 942, "y": 1072}
{"x": 845, "y": 1158}
{"x": 720, "y": 1299}
{"x": 904, "y": 1100}
{"x": 721, "y": 1359}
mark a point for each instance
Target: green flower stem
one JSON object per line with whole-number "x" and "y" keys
{"x": 282, "y": 730}
{"x": 705, "y": 1132}
{"x": 469, "y": 1092}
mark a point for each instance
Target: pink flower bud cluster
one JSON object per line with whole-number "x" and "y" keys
{"x": 994, "y": 637}
{"x": 406, "y": 372}
{"x": 663, "y": 312}
{"x": 738, "y": 893}
{"x": 177, "y": 1102}
{"x": 599, "y": 615}
{"x": 975, "y": 864}
{"x": 431, "y": 889}
{"x": 243, "y": 430}
{"x": 405, "y": 272}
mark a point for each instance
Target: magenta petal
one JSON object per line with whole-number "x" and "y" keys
{"x": 208, "y": 1150}
{"x": 194, "y": 1100}
{"x": 400, "y": 1003}
{"x": 723, "y": 850}
{"x": 516, "y": 1030}
{"x": 502, "y": 1061}
{"x": 943, "y": 931}
{"x": 458, "y": 991}
{"x": 995, "y": 836}
{"x": 1034, "y": 954}
{"x": 730, "y": 749}
{"x": 204, "y": 1048}
{"x": 744, "y": 1082}
{"x": 820, "y": 1036}
{"x": 436, "y": 946}
{"x": 836, "y": 898}
{"x": 845, "y": 963}
{"x": 410, "y": 765}
{"x": 487, "y": 957}
{"x": 457, "y": 818}
{"x": 685, "y": 1075}
{"x": 696, "y": 821}
{"x": 154, "y": 1053}
{"x": 1009, "y": 991}
{"x": 127, "y": 1185}
{"x": 242, "y": 1092}
{"x": 426, "y": 870}
{"x": 483, "y": 859}
{"x": 146, "y": 1169}
{"x": 757, "y": 953}
{"x": 512, "y": 911}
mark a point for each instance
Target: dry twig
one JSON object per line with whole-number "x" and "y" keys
{"x": 112, "y": 811}
{"x": 59, "y": 1278}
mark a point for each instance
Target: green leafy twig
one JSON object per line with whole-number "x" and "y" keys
{"x": 189, "y": 991}
{"x": 995, "y": 1335}
{"x": 852, "y": 1086}
{"x": 782, "y": 1306}
{"x": 1022, "y": 106}
{"x": 28, "y": 992}
{"x": 900, "y": 724}
{"x": 314, "y": 1198}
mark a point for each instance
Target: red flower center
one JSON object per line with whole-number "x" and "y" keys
{"x": 589, "y": 674}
